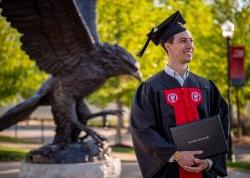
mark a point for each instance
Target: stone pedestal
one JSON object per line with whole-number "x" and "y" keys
{"x": 101, "y": 169}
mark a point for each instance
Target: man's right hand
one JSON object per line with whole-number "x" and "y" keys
{"x": 188, "y": 158}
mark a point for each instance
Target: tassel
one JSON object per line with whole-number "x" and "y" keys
{"x": 140, "y": 53}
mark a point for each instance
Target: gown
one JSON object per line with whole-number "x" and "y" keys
{"x": 156, "y": 104}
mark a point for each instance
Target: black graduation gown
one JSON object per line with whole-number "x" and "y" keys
{"x": 151, "y": 118}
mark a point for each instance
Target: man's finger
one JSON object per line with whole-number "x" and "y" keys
{"x": 197, "y": 161}
{"x": 193, "y": 169}
{"x": 188, "y": 170}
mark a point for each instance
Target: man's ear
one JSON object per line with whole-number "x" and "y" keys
{"x": 167, "y": 46}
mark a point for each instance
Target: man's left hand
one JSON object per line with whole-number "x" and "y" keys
{"x": 200, "y": 165}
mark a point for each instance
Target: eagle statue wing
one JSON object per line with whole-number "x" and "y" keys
{"x": 54, "y": 32}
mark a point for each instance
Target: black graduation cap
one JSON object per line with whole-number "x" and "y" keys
{"x": 168, "y": 28}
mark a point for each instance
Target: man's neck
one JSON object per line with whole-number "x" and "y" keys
{"x": 179, "y": 68}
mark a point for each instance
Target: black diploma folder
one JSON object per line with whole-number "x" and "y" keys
{"x": 206, "y": 135}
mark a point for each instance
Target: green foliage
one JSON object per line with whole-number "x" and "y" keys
{"x": 122, "y": 22}
{"x": 19, "y": 76}
{"x": 98, "y": 122}
{"x": 127, "y": 23}
{"x": 237, "y": 12}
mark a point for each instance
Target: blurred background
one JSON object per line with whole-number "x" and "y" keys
{"x": 127, "y": 22}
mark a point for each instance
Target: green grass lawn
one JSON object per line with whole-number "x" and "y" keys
{"x": 11, "y": 154}
{"x": 239, "y": 165}
{"x": 119, "y": 149}
{"x": 15, "y": 140}
{"x": 14, "y": 154}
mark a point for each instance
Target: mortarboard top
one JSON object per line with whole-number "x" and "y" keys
{"x": 173, "y": 25}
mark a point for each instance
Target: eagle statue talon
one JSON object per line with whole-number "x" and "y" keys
{"x": 97, "y": 137}
{"x": 116, "y": 112}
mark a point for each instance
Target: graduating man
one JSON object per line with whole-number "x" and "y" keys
{"x": 173, "y": 97}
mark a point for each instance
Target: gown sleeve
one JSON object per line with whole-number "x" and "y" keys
{"x": 152, "y": 150}
{"x": 219, "y": 106}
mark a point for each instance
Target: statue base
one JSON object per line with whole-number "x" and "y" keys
{"x": 110, "y": 168}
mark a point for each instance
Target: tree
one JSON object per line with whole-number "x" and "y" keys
{"x": 237, "y": 12}
{"x": 121, "y": 22}
{"x": 19, "y": 76}
{"x": 127, "y": 23}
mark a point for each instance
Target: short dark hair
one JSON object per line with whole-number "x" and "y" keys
{"x": 170, "y": 40}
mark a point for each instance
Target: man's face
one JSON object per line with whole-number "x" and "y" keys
{"x": 182, "y": 48}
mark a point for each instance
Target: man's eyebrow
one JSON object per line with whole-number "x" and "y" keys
{"x": 183, "y": 38}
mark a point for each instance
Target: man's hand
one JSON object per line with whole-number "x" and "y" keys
{"x": 188, "y": 158}
{"x": 199, "y": 166}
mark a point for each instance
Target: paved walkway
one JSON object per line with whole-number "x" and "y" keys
{"x": 242, "y": 152}
{"x": 36, "y": 134}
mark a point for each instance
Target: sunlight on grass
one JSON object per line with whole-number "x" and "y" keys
{"x": 122, "y": 149}
{"x": 11, "y": 154}
{"x": 239, "y": 165}
{"x": 15, "y": 140}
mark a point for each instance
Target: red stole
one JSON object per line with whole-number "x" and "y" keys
{"x": 184, "y": 102}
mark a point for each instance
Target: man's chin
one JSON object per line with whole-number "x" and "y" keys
{"x": 188, "y": 60}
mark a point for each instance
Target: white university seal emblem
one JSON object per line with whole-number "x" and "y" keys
{"x": 195, "y": 96}
{"x": 172, "y": 97}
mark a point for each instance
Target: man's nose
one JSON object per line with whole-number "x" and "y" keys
{"x": 190, "y": 44}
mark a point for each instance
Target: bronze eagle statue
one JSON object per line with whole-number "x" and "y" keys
{"x": 61, "y": 36}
